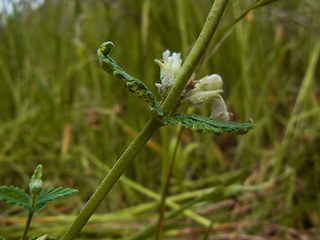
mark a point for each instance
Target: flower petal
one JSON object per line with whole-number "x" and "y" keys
{"x": 219, "y": 110}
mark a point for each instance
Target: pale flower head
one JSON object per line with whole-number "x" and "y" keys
{"x": 169, "y": 67}
{"x": 208, "y": 90}
{"x": 211, "y": 82}
{"x": 205, "y": 90}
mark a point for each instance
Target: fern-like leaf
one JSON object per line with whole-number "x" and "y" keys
{"x": 199, "y": 123}
{"x": 15, "y": 195}
{"x": 46, "y": 195}
{"x": 134, "y": 85}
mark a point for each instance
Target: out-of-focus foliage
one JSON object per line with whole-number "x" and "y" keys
{"x": 60, "y": 109}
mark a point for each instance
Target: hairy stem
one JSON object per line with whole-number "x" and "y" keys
{"x": 169, "y": 104}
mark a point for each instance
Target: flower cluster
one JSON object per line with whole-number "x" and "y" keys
{"x": 198, "y": 92}
{"x": 169, "y": 67}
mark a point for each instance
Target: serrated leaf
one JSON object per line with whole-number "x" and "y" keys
{"x": 134, "y": 85}
{"x": 15, "y": 195}
{"x": 46, "y": 195}
{"x": 203, "y": 124}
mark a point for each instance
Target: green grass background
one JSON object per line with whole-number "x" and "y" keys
{"x": 60, "y": 109}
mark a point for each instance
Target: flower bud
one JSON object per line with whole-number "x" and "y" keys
{"x": 35, "y": 186}
{"x": 205, "y": 91}
{"x": 211, "y": 82}
{"x": 201, "y": 97}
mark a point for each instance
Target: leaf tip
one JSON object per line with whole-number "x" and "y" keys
{"x": 251, "y": 122}
{"x": 105, "y": 48}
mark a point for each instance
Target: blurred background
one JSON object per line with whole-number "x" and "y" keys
{"x": 59, "y": 108}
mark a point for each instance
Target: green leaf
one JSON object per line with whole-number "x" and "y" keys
{"x": 134, "y": 85}
{"x": 15, "y": 195}
{"x": 207, "y": 125}
{"x": 46, "y": 195}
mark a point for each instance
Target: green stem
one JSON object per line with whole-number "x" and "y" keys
{"x": 30, "y": 215}
{"x": 169, "y": 104}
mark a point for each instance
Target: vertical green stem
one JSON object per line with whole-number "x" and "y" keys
{"x": 169, "y": 104}
{"x": 30, "y": 215}
{"x": 24, "y": 236}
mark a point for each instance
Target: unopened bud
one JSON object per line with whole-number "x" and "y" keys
{"x": 201, "y": 98}
{"x": 35, "y": 186}
{"x": 211, "y": 82}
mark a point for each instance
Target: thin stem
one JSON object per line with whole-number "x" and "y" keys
{"x": 114, "y": 174}
{"x": 24, "y": 236}
{"x": 165, "y": 187}
{"x": 30, "y": 215}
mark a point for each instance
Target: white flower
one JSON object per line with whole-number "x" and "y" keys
{"x": 204, "y": 91}
{"x": 208, "y": 90}
{"x": 211, "y": 82}
{"x": 198, "y": 98}
{"x": 219, "y": 110}
{"x": 169, "y": 67}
